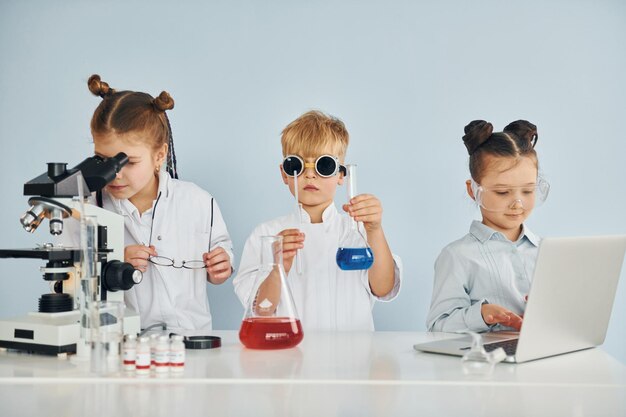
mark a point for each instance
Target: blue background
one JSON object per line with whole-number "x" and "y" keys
{"x": 405, "y": 76}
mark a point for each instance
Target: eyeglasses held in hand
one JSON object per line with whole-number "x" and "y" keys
{"x": 164, "y": 260}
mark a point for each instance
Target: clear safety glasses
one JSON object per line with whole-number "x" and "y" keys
{"x": 325, "y": 166}
{"x": 503, "y": 198}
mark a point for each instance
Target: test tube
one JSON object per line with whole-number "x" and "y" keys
{"x": 351, "y": 179}
{"x": 299, "y": 214}
{"x": 351, "y": 187}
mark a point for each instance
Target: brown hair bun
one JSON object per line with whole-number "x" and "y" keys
{"x": 476, "y": 133}
{"x": 523, "y": 129}
{"x": 163, "y": 101}
{"x": 98, "y": 87}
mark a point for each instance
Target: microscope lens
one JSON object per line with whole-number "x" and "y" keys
{"x": 32, "y": 218}
{"x": 56, "y": 221}
{"x": 56, "y": 227}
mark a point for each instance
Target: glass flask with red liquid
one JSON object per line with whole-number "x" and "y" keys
{"x": 353, "y": 253}
{"x": 271, "y": 320}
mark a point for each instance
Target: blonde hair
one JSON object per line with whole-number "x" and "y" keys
{"x": 315, "y": 133}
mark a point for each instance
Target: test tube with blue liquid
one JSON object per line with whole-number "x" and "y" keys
{"x": 353, "y": 253}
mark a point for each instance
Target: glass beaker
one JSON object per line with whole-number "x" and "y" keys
{"x": 107, "y": 332}
{"x": 271, "y": 320}
{"x": 353, "y": 253}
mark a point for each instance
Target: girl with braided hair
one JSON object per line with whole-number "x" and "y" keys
{"x": 174, "y": 231}
{"x": 482, "y": 280}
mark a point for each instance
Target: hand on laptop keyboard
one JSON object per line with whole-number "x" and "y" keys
{"x": 495, "y": 314}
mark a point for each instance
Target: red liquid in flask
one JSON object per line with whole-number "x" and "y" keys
{"x": 270, "y": 332}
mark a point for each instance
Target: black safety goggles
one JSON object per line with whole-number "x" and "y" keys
{"x": 325, "y": 166}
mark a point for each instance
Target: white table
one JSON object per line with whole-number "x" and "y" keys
{"x": 328, "y": 374}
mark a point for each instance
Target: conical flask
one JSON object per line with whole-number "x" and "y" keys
{"x": 353, "y": 253}
{"x": 271, "y": 320}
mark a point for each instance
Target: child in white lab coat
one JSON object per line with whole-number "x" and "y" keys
{"x": 326, "y": 297}
{"x": 174, "y": 231}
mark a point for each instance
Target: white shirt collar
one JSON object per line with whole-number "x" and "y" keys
{"x": 484, "y": 233}
{"x": 328, "y": 214}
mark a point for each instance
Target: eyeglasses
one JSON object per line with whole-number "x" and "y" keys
{"x": 325, "y": 166}
{"x": 164, "y": 260}
{"x": 503, "y": 198}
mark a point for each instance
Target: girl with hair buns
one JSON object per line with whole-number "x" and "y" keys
{"x": 482, "y": 280}
{"x": 174, "y": 231}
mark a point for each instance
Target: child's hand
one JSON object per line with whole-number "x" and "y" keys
{"x": 218, "y": 265}
{"x": 495, "y": 314}
{"x": 293, "y": 240}
{"x": 137, "y": 256}
{"x": 366, "y": 208}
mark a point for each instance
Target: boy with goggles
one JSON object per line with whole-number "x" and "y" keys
{"x": 326, "y": 297}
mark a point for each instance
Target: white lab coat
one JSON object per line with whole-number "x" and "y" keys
{"x": 325, "y": 297}
{"x": 182, "y": 225}
{"x": 177, "y": 297}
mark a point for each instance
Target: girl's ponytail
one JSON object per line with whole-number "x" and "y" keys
{"x": 99, "y": 87}
{"x": 524, "y": 130}
{"x": 476, "y": 133}
{"x": 163, "y": 102}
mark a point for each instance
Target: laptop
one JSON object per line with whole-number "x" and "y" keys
{"x": 569, "y": 304}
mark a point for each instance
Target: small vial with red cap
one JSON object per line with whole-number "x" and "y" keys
{"x": 142, "y": 360}
{"x": 177, "y": 353}
{"x": 162, "y": 354}
{"x": 129, "y": 352}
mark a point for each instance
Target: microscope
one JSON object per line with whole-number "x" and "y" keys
{"x": 80, "y": 275}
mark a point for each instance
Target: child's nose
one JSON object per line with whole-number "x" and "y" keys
{"x": 517, "y": 204}
{"x": 309, "y": 172}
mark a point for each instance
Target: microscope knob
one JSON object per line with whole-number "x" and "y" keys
{"x": 119, "y": 275}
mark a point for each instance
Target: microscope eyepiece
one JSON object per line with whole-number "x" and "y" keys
{"x": 56, "y": 169}
{"x": 60, "y": 182}
{"x": 98, "y": 171}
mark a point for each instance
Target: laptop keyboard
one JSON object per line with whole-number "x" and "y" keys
{"x": 509, "y": 346}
